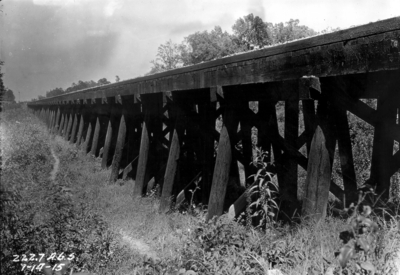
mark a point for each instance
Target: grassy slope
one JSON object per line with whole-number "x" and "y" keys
{"x": 115, "y": 229}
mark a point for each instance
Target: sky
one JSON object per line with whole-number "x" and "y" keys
{"x": 52, "y": 43}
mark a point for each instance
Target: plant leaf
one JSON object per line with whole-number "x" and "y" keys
{"x": 368, "y": 266}
{"x": 346, "y": 252}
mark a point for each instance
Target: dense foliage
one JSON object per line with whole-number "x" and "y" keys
{"x": 249, "y": 32}
{"x": 76, "y": 87}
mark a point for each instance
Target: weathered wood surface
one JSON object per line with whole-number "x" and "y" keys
{"x": 383, "y": 144}
{"x": 80, "y": 131}
{"x": 69, "y": 126}
{"x": 318, "y": 178}
{"x": 173, "y": 159}
{"x": 95, "y": 140}
{"x": 74, "y": 126}
{"x": 151, "y": 126}
{"x": 367, "y": 48}
{"x": 107, "y": 142}
{"x": 234, "y": 106}
{"x": 118, "y": 149}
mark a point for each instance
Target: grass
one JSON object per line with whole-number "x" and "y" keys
{"x": 113, "y": 233}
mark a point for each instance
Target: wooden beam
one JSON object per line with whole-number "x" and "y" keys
{"x": 346, "y": 157}
{"x": 234, "y": 106}
{"x": 118, "y": 149}
{"x": 80, "y": 131}
{"x": 89, "y": 129}
{"x": 152, "y": 104}
{"x": 318, "y": 179}
{"x": 383, "y": 145}
{"x": 130, "y": 167}
{"x": 207, "y": 127}
{"x": 288, "y": 187}
{"x": 246, "y": 129}
{"x": 57, "y": 122}
{"x": 95, "y": 140}
{"x": 69, "y": 126}
{"x": 309, "y": 121}
{"x": 174, "y": 156}
{"x": 107, "y": 142}
{"x": 74, "y": 126}
{"x": 395, "y": 163}
{"x": 60, "y": 129}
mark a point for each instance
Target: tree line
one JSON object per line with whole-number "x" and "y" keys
{"x": 76, "y": 87}
{"x": 6, "y": 94}
{"x": 248, "y": 33}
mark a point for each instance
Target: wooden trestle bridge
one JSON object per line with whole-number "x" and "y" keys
{"x": 161, "y": 129}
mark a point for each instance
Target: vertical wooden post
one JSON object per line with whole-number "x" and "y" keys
{"x": 309, "y": 121}
{"x": 74, "y": 126}
{"x": 118, "y": 149}
{"x": 107, "y": 143}
{"x": 319, "y": 168}
{"x": 383, "y": 143}
{"x": 152, "y": 104}
{"x": 234, "y": 107}
{"x": 346, "y": 156}
{"x": 47, "y": 120}
{"x": 318, "y": 178}
{"x": 290, "y": 167}
{"x": 246, "y": 127}
{"x": 133, "y": 121}
{"x": 57, "y": 122}
{"x": 60, "y": 129}
{"x": 174, "y": 154}
{"x": 207, "y": 114}
{"x": 68, "y": 127}
{"x": 80, "y": 131}
{"x": 54, "y": 122}
{"x": 95, "y": 140}
{"x": 42, "y": 114}
{"x": 85, "y": 147}
{"x": 267, "y": 111}
{"x": 51, "y": 120}
{"x": 47, "y": 116}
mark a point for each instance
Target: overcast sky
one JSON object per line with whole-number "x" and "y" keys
{"x": 52, "y": 43}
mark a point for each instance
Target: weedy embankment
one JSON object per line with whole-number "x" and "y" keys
{"x": 109, "y": 232}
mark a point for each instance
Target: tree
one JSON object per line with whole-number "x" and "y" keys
{"x": 55, "y": 92}
{"x": 168, "y": 57}
{"x": 7, "y": 95}
{"x": 116, "y": 78}
{"x": 84, "y": 85}
{"x": 251, "y": 32}
{"x": 206, "y": 46}
{"x": 102, "y": 81}
{"x": 290, "y": 31}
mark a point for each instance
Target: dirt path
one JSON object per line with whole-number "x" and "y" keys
{"x": 135, "y": 244}
{"x": 138, "y": 245}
